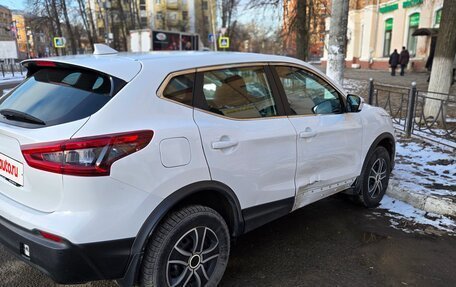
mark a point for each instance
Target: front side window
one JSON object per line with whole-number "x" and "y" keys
{"x": 180, "y": 89}
{"x": 239, "y": 93}
{"x": 308, "y": 94}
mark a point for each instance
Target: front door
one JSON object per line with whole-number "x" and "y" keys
{"x": 329, "y": 140}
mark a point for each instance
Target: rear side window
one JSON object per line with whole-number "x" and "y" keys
{"x": 240, "y": 93}
{"x": 56, "y": 96}
{"x": 180, "y": 89}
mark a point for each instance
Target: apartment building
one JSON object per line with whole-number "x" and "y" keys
{"x": 193, "y": 16}
{"x": 5, "y": 24}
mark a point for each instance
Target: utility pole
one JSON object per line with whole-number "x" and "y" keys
{"x": 27, "y": 30}
{"x": 213, "y": 24}
{"x": 107, "y": 6}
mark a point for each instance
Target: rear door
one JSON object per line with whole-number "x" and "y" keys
{"x": 328, "y": 139}
{"x": 50, "y": 105}
{"x": 248, "y": 142}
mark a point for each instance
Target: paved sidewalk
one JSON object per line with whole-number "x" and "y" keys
{"x": 361, "y": 78}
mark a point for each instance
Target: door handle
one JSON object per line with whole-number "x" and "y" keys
{"x": 223, "y": 144}
{"x": 307, "y": 134}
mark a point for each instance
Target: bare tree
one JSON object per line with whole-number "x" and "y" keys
{"x": 91, "y": 20}
{"x": 302, "y": 19}
{"x": 442, "y": 67}
{"x": 337, "y": 40}
{"x": 68, "y": 27}
{"x": 85, "y": 20}
{"x": 228, "y": 9}
{"x": 122, "y": 24}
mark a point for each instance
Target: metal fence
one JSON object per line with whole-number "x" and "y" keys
{"x": 12, "y": 70}
{"x": 425, "y": 114}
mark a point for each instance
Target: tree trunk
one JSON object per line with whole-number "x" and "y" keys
{"x": 122, "y": 25}
{"x": 69, "y": 28}
{"x": 442, "y": 68}
{"x": 92, "y": 22}
{"x": 301, "y": 28}
{"x": 85, "y": 21}
{"x": 132, "y": 16}
{"x": 337, "y": 40}
{"x": 51, "y": 22}
{"x": 55, "y": 16}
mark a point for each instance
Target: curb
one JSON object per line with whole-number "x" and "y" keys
{"x": 428, "y": 203}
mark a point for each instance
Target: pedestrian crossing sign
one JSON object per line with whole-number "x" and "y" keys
{"x": 224, "y": 42}
{"x": 59, "y": 42}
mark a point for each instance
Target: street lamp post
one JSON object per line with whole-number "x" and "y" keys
{"x": 27, "y": 30}
{"x": 107, "y": 6}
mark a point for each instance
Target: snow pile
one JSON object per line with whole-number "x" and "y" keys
{"x": 9, "y": 78}
{"x": 426, "y": 169}
{"x": 410, "y": 219}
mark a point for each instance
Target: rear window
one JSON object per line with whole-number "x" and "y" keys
{"x": 57, "y": 96}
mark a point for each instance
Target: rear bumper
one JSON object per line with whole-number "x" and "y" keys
{"x": 65, "y": 262}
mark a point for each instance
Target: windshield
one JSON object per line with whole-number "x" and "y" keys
{"x": 57, "y": 96}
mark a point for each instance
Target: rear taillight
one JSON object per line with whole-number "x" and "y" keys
{"x": 91, "y": 156}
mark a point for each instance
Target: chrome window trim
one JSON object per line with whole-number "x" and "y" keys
{"x": 307, "y": 69}
{"x": 195, "y": 70}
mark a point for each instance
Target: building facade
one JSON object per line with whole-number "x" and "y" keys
{"x": 193, "y": 16}
{"x": 21, "y": 34}
{"x": 377, "y": 27}
{"x": 6, "y": 21}
{"x": 33, "y": 35}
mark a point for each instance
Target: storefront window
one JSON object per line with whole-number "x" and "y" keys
{"x": 414, "y": 22}
{"x": 387, "y": 38}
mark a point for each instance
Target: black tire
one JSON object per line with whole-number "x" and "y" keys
{"x": 177, "y": 240}
{"x": 375, "y": 178}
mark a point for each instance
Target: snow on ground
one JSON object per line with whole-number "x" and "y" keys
{"x": 424, "y": 168}
{"x": 9, "y": 78}
{"x": 356, "y": 87}
{"x": 410, "y": 219}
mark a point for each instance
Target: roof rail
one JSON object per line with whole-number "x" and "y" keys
{"x": 103, "y": 49}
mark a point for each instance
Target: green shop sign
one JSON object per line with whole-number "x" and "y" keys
{"x": 411, "y": 3}
{"x": 438, "y": 16}
{"x": 414, "y": 20}
{"x": 389, "y": 8}
{"x": 389, "y": 24}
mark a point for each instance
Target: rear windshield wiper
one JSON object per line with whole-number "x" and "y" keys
{"x": 20, "y": 116}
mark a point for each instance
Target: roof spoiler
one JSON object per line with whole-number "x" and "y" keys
{"x": 103, "y": 49}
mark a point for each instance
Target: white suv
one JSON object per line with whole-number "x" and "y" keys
{"x": 142, "y": 167}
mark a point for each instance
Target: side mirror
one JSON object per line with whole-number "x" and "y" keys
{"x": 354, "y": 103}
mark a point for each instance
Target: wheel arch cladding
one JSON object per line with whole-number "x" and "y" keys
{"x": 213, "y": 194}
{"x": 385, "y": 140}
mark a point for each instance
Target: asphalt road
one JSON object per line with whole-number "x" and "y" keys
{"x": 329, "y": 243}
